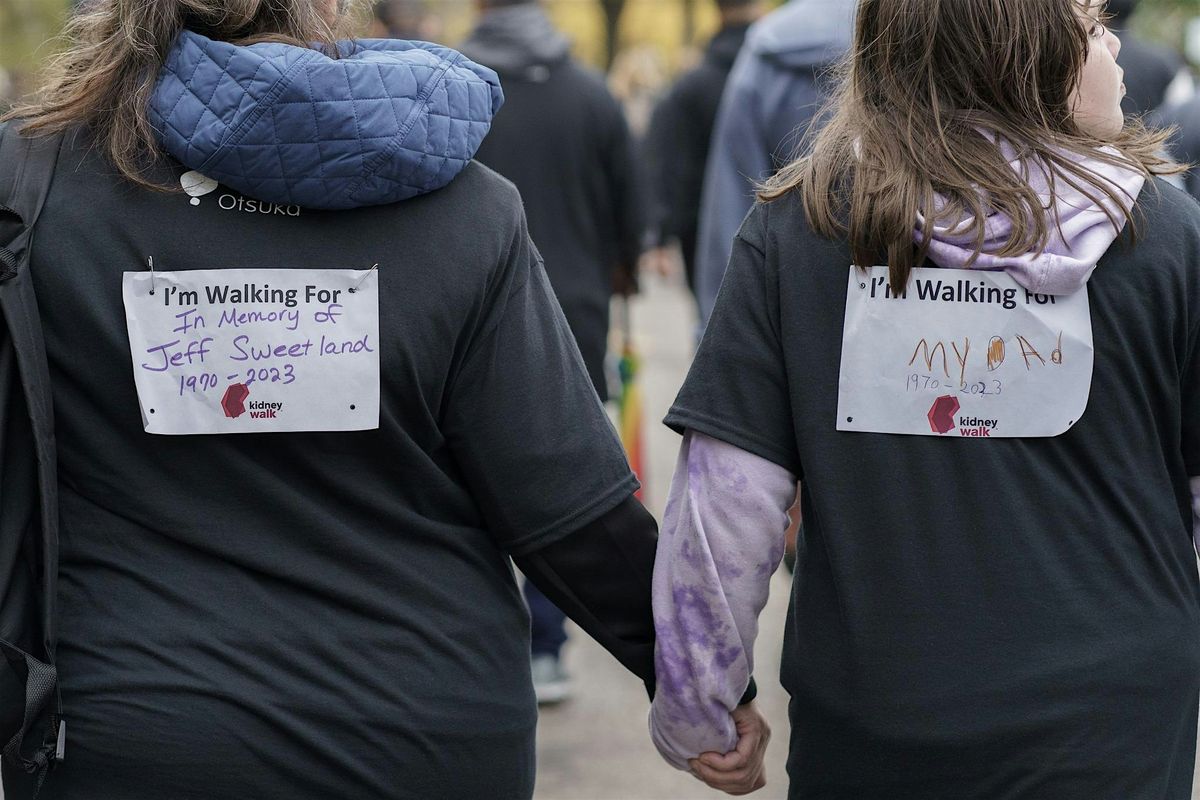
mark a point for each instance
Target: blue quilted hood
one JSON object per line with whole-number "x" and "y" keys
{"x": 388, "y": 121}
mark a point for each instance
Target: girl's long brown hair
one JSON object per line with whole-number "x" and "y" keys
{"x": 114, "y": 50}
{"x": 930, "y": 92}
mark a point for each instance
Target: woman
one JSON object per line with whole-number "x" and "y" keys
{"x": 305, "y": 592}
{"x": 996, "y": 591}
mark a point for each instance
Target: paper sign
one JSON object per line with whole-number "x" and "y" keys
{"x": 962, "y": 353}
{"x": 255, "y": 350}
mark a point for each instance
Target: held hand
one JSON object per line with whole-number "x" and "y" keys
{"x": 740, "y": 771}
{"x": 661, "y": 261}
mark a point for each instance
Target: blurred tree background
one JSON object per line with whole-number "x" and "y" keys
{"x": 665, "y": 32}
{"x": 1163, "y": 20}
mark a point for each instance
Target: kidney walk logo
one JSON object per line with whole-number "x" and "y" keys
{"x": 233, "y": 403}
{"x": 941, "y": 419}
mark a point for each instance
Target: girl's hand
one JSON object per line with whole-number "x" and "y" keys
{"x": 740, "y": 771}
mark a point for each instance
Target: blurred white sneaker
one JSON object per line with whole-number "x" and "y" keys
{"x": 550, "y": 683}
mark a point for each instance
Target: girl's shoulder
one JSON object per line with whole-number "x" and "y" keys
{"x": 1167, "y": 210}
{"x": 780, "y": 227}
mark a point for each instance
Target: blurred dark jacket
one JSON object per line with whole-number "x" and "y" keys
{"x": 563, "y": 140}
{"x": 1184, "y": 145}
{"x": 680, "y": 133}
{"x": 774, "y": 91}
{"x": 1149, "y": 70}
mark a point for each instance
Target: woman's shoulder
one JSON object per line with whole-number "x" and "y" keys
{"x": 481, "y": 192}
{"x": 481, "y": 205}
{"x": 478, "y": 220}
{"x": 469, "y": 226}
{"x": 477, "y": 198}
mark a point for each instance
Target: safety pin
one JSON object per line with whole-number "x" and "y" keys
{"x": 153, "y": 284}
{"x": 363, "y": 279}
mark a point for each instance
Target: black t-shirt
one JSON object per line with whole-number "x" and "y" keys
{"x": 313, "y": 615}
{"x": 978, "y": 619}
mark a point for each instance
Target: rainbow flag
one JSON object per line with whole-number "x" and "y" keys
{"x": 629, "y": 404}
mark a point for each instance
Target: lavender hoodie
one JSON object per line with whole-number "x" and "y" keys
{"x": 722, "y": 534}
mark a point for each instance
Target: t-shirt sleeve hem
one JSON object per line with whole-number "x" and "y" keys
{"x": 679, "y": 420}
{"x": 569, "y": 523}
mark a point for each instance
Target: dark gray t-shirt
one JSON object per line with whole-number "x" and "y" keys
{"x": 313, "y": 615}
{"x": 995, "y": 618}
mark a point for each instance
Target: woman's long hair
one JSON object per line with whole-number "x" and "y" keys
{"x": 936, "y": 97}
{"x": 114, "y": 50}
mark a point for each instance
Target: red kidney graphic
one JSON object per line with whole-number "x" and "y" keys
{"x": 941, "y": 413}
{"x": 234, "y": 401}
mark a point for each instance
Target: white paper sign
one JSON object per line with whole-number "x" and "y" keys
{"x": 962, "y": 353}
{"x": 255, "y": 350}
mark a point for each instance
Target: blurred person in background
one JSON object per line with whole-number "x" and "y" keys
{"x": 637, "y": 78}
{"x": 773, "y": 93}
{"x": 971, "y": 618}
{"x": 1185, "y": 140}
{"x": 1184, "y": 144}
{"x": 1181, "y": 113}
{"x": 563, "y": 140}
{"x": 323, "y": 607}
{"x": 1154, "y": 73}
{"x": 679, "y": 137}
{"x": 404, "y": 19}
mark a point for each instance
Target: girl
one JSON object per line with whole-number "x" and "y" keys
{"x": 996, "y": 434}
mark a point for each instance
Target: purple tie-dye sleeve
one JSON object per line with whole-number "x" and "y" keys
{"x": 721, "y": 541}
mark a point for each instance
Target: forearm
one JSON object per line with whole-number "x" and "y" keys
{"x": 600, "y": 576}
{"x": 722, "y": 539}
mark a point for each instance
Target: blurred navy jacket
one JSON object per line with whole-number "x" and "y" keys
{"x": 678, "y": 144}
{"x": 774, "y": 91}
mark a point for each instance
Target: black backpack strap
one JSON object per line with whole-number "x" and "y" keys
{"x": 26, "y": 170}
